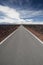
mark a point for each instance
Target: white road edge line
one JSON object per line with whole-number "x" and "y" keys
{"x": 33, "y": 35}
{"x": 8, "y": 36}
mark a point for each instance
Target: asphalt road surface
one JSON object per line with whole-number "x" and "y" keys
{"x": 21, "y": 49}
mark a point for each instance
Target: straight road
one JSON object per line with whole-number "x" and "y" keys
{"x": 21, "y": 49}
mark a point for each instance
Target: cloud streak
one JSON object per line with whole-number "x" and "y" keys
{"x": 25, "y": 4}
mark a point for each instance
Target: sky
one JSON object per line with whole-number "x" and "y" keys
{"x": 21, "y": 11}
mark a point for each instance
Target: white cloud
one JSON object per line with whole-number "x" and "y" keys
{"x": 11, "y": 21}
{"x": 38, "y": 22}
{"x": 27, "y": 21}
{"x": 12, "y": 13}
{"x": 12, "y": 16}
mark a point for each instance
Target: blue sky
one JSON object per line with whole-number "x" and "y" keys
{"x": 21, "y": 11}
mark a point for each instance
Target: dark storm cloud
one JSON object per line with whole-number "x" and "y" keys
{"x": 24, "y": 4}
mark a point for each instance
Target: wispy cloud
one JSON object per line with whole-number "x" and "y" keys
{"x": 30, "y": 13}
{"x": 36, "y": 16}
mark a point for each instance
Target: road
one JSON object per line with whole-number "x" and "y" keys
{"x": 21, "y": 49}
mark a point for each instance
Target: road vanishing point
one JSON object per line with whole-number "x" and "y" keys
{"x": 21, "y": 49}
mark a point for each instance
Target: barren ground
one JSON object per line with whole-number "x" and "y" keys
{"x": 37, "y": 30}
{"x": 5, "y": 30}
